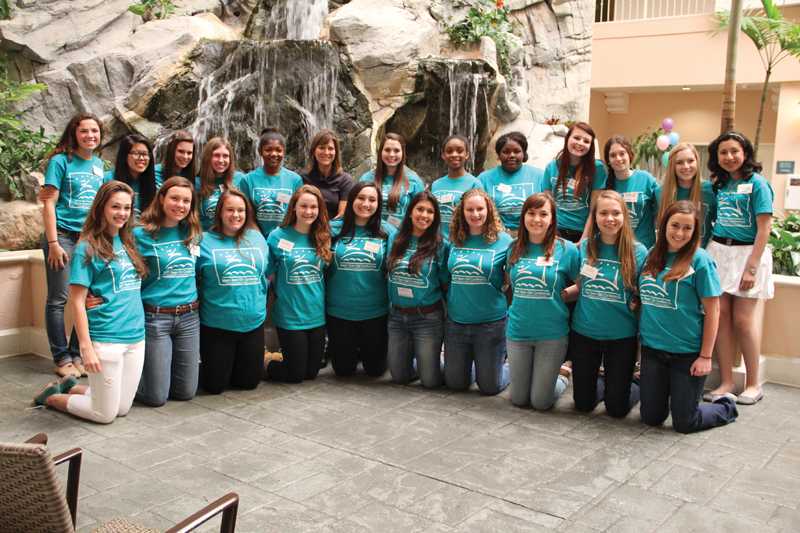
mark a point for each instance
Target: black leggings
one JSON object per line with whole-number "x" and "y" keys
{"x": 351, "y": 341}
{"x": 230, "y": 358}
{"x": 302, "y": 353}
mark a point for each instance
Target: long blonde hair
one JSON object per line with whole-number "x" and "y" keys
{"x": 669, "y": 189}
{"x": 626, "y": 244}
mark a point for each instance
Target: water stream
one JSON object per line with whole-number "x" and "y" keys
{"x": 464, "y": 97}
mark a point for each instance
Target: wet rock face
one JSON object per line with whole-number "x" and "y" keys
{"x": 452, "y": 97}
{"x": 235, "y": 89}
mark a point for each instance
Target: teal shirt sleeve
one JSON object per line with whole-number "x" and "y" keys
{"x": 706, "y": 278}
{"x": 600, "y": 175}
{"x": 80, "y": 272}
{"x": 56, "y": 171}
{"x": 573, "y": 258}
{"x": 762, "y": 195}
{"x": 442, "y": 257}
{"x": 244, "y": 186}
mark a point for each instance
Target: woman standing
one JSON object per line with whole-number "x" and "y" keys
{"x": 398, "y": 184}
{"x": 178, "y": 158}
{"x": 271, "y": 186}
{"x": 680, "y": 290}
{"x": 217, "y": 175}
{"x": 73, "y": 176}
{"x": 168, "y": 240}
{"x": 739, "y": 247}
{"x": 232, "y": 282}
{"x": 299, "y": 252}
{"x": 325, "y": 172}
{"x": 683, "y": 182}
{"x": 575, "y": 177}
{"x": 540, "y": 266}
{"x": 356, "y": 298}
{"x": 512, "y": 181}
{"x": 476, "y": 306}
{"x": 449, "y": 188}
{"x": 111, "y": 335}
{"x": 135, "y": 168}
{"x": 417, "y": 267}
{"x": 604, "y": 324}
{"x": 637, "y": 187}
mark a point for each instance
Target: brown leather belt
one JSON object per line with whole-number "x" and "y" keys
{"x": 179, "y": 310}
{"x": 418, "y": 310}
{"x": 731, "y": 242}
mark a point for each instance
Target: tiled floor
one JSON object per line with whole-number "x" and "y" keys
{"x": 357, "y": 455}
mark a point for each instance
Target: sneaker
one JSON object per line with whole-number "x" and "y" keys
{"x": 54, "y": 387}
{"x": 78, "y": 364}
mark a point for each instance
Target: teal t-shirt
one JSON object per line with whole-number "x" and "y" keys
{"x": 208, "y": 205}
{"x": 509, "y": 191}
{"x": 120, "y": 318}
{"x": 356, "y": 281}
{"x": 476, "y": 273}
{"x": 171, "y": 278}
{"x": 159, "y": 174}
{"x": 77, "y": 182}
{"x": 640, "y": 191}
{"x": 738, "y": 204}
{"x": 537, "y": 311}
{"x": 448, "y": 191}
{"x": 672, "y": 312}
{"x": 232, "y": 281}
{"x": 573, "y": 211}
{"x": 407, "y": 289}
{"x": 137, "y": 202}
{"x": 415, "y": 186}
{"x": 709, "y": 203}
{"x": 603, "y": 311}
{"x": 270, "y": 195}
{"x": 299, "y": 280}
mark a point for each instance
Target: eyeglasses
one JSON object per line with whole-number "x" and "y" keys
{"x": 139, "y": 155}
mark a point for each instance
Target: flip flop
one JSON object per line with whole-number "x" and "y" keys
{"x": 746, "y": 399}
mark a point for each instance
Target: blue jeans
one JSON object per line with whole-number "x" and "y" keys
{"x": 171, "y": 358}
{"x": 534, "y": 372}
{"x": 485, "y": 344}
{"x": 667, "y": 385}
{"x": 57, "y": 293}
{"x": 415, "y": 336}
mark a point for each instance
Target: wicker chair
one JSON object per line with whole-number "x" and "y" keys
{"x": 32, "y": 500}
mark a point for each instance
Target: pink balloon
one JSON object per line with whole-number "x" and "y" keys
{"x": 667, "y": 124}
{"x": 662, "y": 143}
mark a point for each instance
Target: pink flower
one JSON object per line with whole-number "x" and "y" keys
{"x": 500, "y": 4}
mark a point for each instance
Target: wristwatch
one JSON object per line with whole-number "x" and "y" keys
{"x": 751, "y": 270}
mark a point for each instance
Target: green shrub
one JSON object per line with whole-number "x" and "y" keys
{"x": 153, "y": 9}
{"x": 785, "y": 241}
{"x": 486, "y": 21}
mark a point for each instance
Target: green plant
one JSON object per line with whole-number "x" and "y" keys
{"x": 5, "y": 10}
{"x": 785, "y": 241}
{"x": 487, "y": 20}
{"x": 21, "y": 149}
{"x": 152, "y": 9}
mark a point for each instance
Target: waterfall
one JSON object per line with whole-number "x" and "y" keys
{"x": 296, "y": 19}
{"x": 464, "y": 92}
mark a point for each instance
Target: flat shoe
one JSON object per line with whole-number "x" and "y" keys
{"x": 80, "y": 368}
{"x": 54, "y": 387}
{"x": 66, "y": 384}
{"x": 67, "y": 370}
{"x": 746, "y": 399}
{"x": 714, "y": 397}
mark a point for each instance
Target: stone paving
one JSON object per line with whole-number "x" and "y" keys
{"x": 357, "y": 455}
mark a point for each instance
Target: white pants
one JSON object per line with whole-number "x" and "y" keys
{"x": 112, "y": 390}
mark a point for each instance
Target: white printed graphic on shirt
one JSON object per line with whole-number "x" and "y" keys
{"x": 567, "y": 201}
{"x": 123, "y": 275}
{"x": 471, "y": 266}
{"x": 635, "y": 201}
{"x": 211, "y": 204}
{"x": 607, "y": 285}
{"x": 359, "y": 254}
{"x": 532, "y": 282}
{"x": 269, "y": 207}
{"x": 656, "y": 293}
{"x": 303, "y": 267}
{"x": 733, "y": 210}
{"x": 173, "y": 260}
{"x": 448, "y": 200}
{"x": 509, "y": 198}
{"x": 401, "y": 276}
{"x": 82, "y": 188}
{"x": 238, "y": 266}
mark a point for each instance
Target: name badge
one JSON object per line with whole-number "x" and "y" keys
{"x": 405, "y": 292}
{"x": 221, "y": 187}
{"x": 97, "y": 171}
{"x": 543, "y": 261}
{"x": 194, "y": 250}
{"x": 589, "y": 271}
{"x": 630, "y": 197}
{"x": 372, "y": 246}
{"x": 283, "y": 198}
{"x": 394, "y": 221}
{"x": 283, "y": 244}
{"x": 744, "y": 188}
{"x": 504, "y": 188}
{"x": 446, "y": 198}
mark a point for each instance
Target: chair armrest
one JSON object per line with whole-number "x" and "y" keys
{"x": 39, "y": 438}
{"x": 228, "y": 505}
{"x": 74, "y": 456}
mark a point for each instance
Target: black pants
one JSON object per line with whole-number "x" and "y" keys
{"x": 302, "y": 352}
{"x": 570, "y": 234}
{"x": 230, "y": 358}
{"x": 351, "y": 341}
{"x": 618, "y": 357}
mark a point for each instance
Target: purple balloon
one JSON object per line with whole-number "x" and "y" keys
{"x": 667, "y": 124}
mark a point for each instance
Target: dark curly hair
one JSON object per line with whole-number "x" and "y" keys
{"x": 720, "y": 176}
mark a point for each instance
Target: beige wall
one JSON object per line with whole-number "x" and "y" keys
{"x": 787, "y": 136}
{"x": 781, "y": 335}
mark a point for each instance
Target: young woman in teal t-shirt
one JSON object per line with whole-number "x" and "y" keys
{"x": 135, "y": 167}
{"x": 111, "y": 335}
{"x": 449, "y": 188}
{"x": 178, "y": 159}
{"x": 299, "y": 253}
{"x": 217, "y": 174}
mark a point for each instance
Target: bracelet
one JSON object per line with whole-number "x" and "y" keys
{"x": 51, "y": 242}
{"x": 704, "y": 357}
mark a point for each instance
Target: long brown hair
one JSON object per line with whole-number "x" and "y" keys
{"x": 324, "y": 137}
{"x": 153, "y": 217}
{"x": 68, "y": 143}
{"x": 250, "y": 215}
{"x": 427, "y": 245}
{"x": 207, "y": 176}
{"x": 657, "y": 259}
{"x": 669, "y": 188}
{"x": 94, "y": 231}
{"x": 623, "y": 141}
{"x": 168, "y": 166}
{"x": 626, "y": 243}
{"x": 520, "y": 246}
{"x": 584, "y": 172}
{"x": 400, "y": 179}
{"x": 459, "y": 229}
{"x": 320, "y": 233}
